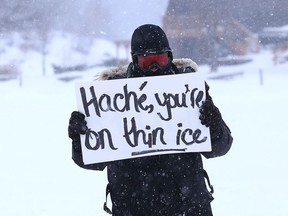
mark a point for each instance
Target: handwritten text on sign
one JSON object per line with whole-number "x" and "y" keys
{"x": 136, "y": 117}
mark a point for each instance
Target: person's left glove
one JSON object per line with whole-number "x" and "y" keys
{"x": 210, "y": 116}
{"x": 77, "y": 125}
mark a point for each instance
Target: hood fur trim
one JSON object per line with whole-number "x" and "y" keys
{"x": 185, "y": 62}
{"x": 111, "y": 72}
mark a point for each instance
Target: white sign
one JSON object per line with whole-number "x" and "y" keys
{"x": 137, "y": 117}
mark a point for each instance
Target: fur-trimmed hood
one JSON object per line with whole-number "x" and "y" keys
{"x": 111, "y": 72}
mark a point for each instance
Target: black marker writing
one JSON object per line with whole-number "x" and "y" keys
{"x": 149, "y": 137}
{"x": 188, "y": 136}
{"x": 171, "y": 101}
{"x": 157, "y": 150}
{"x": 99, "y": 139}
{"x": 120, "y": 102}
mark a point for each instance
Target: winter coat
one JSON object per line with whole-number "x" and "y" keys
{"x": 171, "y": 184}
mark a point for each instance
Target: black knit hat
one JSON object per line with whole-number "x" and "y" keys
{"x": 149, "y": 38}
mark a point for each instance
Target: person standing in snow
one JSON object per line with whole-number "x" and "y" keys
{"x": 170, "y": 184}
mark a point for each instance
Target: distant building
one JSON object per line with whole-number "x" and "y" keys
{"x": 205, "y": 30}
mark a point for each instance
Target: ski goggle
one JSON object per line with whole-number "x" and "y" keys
{"x": 145, "y": 61}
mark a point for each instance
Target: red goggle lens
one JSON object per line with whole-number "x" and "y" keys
{"x": 144, "y": 61}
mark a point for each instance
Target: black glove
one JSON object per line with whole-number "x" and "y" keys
{"x": 77, "y": 125}
{"x": 210, "y": 116}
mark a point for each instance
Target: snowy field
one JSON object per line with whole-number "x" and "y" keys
{"x": 38, "y": 177}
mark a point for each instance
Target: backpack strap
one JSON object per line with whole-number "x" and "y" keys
{"x": 208, "y": 181}
{"x": 105, "y": 203}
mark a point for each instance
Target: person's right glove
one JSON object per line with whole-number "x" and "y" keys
{"x": 210, "y": 116}
{"x": 77, "y": 125}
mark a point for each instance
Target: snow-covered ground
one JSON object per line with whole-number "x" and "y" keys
{"x": 38, "y": 177}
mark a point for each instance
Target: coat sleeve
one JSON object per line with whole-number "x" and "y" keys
{"x": 222, "y": 143}
{"x": 77, "y": 158}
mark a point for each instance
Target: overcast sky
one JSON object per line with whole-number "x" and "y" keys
{"x": 126, "y": 15}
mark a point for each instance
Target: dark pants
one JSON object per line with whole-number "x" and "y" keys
{"x": 197, "y": 210}
{"x": 200, "y": 210}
